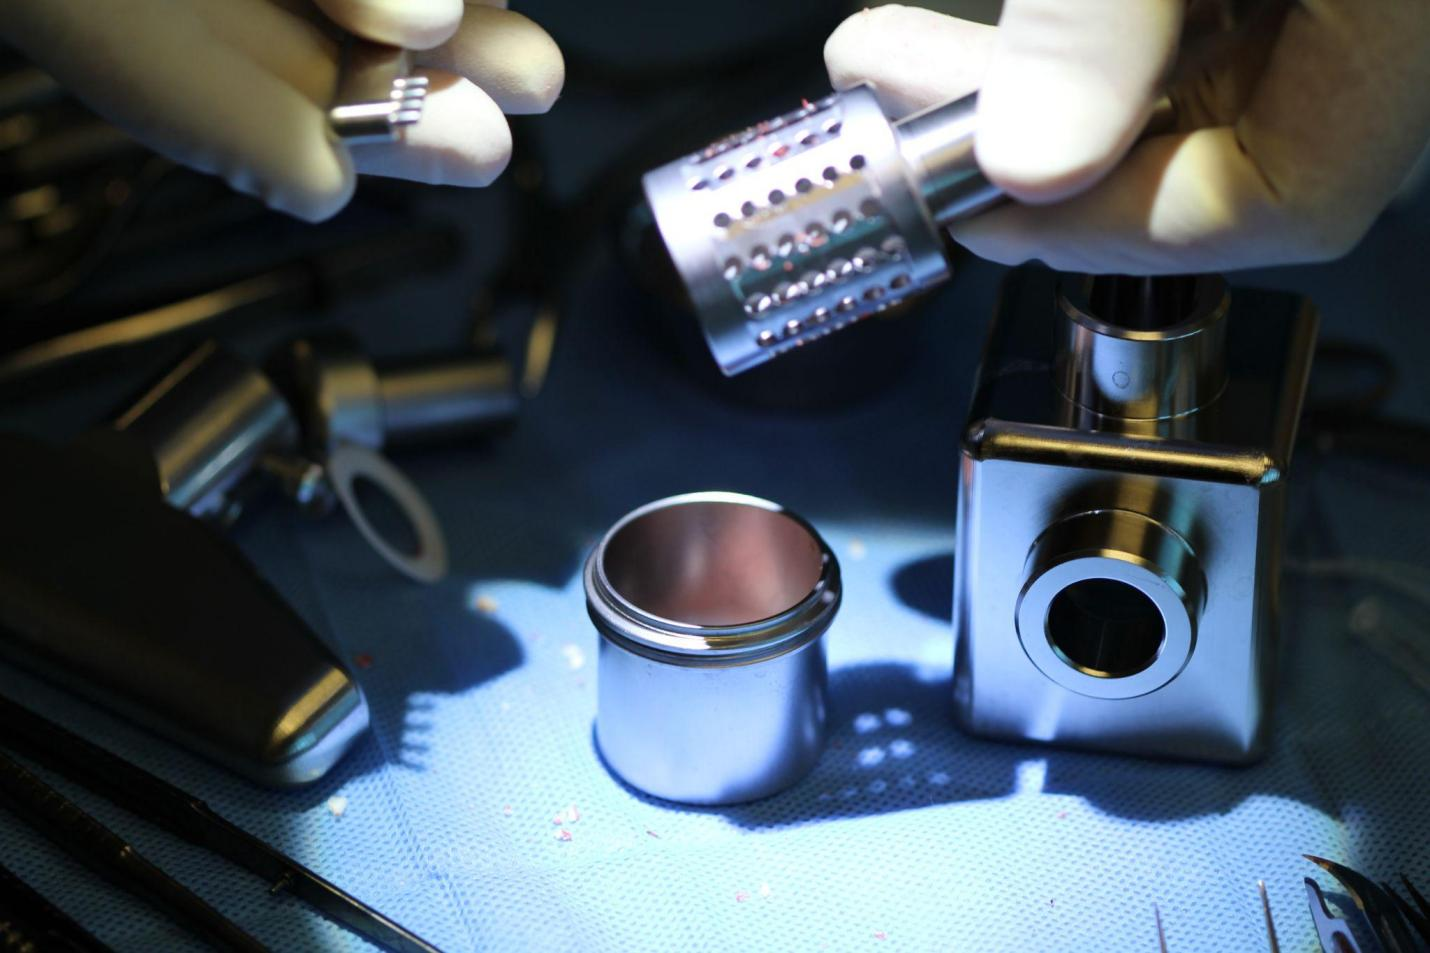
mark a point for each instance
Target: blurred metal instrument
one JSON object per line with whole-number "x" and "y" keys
{"x": 1382, "y": 912}
{"x": 216, "y": 423}
{"x": 1333, "y": 932}
{"x": 377, "y": 93}
{"x": 154, "y": 800}
{"x": 98, "y": 847}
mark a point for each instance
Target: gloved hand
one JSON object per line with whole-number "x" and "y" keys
{"x": 1294, "y": 136}
{"x": 240, "y": 87}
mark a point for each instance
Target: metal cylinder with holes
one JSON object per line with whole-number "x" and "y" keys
{"x": 808, "y": 222}
{"x": 1121, "y": 500}
{"x": 711, "y": 609}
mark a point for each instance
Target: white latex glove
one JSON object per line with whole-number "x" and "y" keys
{"x": 1298, "y": 135}
{"x": 240, "y": 88}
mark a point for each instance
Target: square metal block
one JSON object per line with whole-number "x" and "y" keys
{"x": 1117, "y": 571}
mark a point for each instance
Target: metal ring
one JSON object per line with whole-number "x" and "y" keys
{"x": 1123, "y": 547}
{"x": 350, "y": 461}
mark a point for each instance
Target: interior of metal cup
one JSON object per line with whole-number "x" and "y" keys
{"x": 713, "y": 562}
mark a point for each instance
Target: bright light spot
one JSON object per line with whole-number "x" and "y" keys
{"x": 857, "y": 549}
{"x": 867, "y": 722}
{"x": 897, "y": 716}
{"x": 901, "y": 748}
{"x": 870, "y": 757}
{"x": 575, "y": 658}
{"x": 1030, "y": 775}
{"x": 337, "y": 805}
{"x": 939, "y": 778}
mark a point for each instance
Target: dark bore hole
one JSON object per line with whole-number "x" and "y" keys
{"x": 1105, "y": 628}
{"x": 1143, "y": 304}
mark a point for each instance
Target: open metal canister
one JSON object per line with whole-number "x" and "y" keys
{"x": 712, "y": 680}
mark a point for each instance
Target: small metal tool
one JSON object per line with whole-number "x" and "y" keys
{"x": 155, "y": 800}
{"x": 1334, "y": 933}
{"x": 377, "y": 93}
{"x": 1273, "y": 945}
{"x": 1379, "y": 909}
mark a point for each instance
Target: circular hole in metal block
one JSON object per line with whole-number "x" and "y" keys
{"x": 856, "y": 162}
{"x": 830, "y": 173}
{"x": 1110, "y": 604}
{"x": 1105, "y": 628}
{"x": 748, "y": 209}
{"x": 722, "y": 220}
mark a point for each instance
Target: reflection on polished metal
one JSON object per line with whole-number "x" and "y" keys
{"x": 711, "y": 608}
{"x": 208, "y": 422}
{"x": 1111, "y": 602}
{"x": 340, "y": 395}
{"x": 1159, "y": 351}
{"x": 377, "y": 92}
{"x": 1121, "y": 500}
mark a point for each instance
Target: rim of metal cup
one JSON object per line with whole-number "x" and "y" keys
{"x": 693, "y": 645}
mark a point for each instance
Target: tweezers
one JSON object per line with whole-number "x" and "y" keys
{"x": 155, "y": 800}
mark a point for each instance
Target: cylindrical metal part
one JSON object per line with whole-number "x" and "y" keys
{"x": 1142, "y": 349}
{"x": 341, "y": 397}
{"x": 208, "y": 422}
{"x": 711, "y": 609}
{"x": 1110, "y": 604}
{"x": 445, "y": 397}
{"x": 937, "y": 144}
{"x": 797, "y": 227}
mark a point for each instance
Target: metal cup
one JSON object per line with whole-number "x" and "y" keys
{"x": 712, "y": 679}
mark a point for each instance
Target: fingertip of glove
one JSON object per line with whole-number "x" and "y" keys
{"x": 413, "y": 24}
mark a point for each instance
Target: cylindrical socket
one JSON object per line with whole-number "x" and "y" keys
{"x": 711, "y": 609}
{"x": 1142, "y": 348}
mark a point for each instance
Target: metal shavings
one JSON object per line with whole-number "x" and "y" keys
{"x": 741, "y": 896}
{"x": 653, "y": 834}
{"x": 337, "y": 805}
{"x": 857, "y": 549}
{"x": 575, "y": 658}
{"x": 363, "y": 660}
{"x": 485, "y": 604}
{"x": 563, "y": 835}
{"x": 1062, "y": 815}
{"x": 557, "y": 819}
{"x": 765, "y": 890}
{"x": 571, "y": 815}
{"x": 880, "y": 935}
{"x": 506, "y": 810}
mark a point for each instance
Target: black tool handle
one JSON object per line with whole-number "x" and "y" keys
{"x": 29, "y": 922}
{"x": 86, "y": 839}
{"x": 184, "y": 815}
